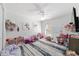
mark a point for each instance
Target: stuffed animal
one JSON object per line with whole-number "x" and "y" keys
{"x": 19, "y": 40}
{"x": 10, "y": 41}
{"x": 48, "y": 38}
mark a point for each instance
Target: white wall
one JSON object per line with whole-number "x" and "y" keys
{"x": 20, "y": 21}
{"x": 57, "y": 24}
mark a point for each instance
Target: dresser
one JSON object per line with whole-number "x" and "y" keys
{"x": 74, "y": 44}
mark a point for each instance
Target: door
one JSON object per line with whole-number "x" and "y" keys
{"x": 0, "y": 28}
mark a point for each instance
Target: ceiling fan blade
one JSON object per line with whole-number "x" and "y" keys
{"x": 33, "y": 10}
{"x": 41, "y": 5}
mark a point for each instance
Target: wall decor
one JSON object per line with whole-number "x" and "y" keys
{"x": 18, "y": 29}
{"x": 70, "y": 27}
{"x": 9, "y": 25}
{"x": 27, "y": 26}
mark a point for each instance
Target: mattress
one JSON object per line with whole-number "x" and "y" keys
{"x": 42, "y": 48}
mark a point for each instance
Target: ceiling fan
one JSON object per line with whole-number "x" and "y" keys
{"x": 39, "y": 9}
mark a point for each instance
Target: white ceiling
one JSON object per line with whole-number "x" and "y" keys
{"x": 36, "y": 11}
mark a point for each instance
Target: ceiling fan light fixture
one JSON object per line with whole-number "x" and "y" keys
{"x": 43, "y": 18}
